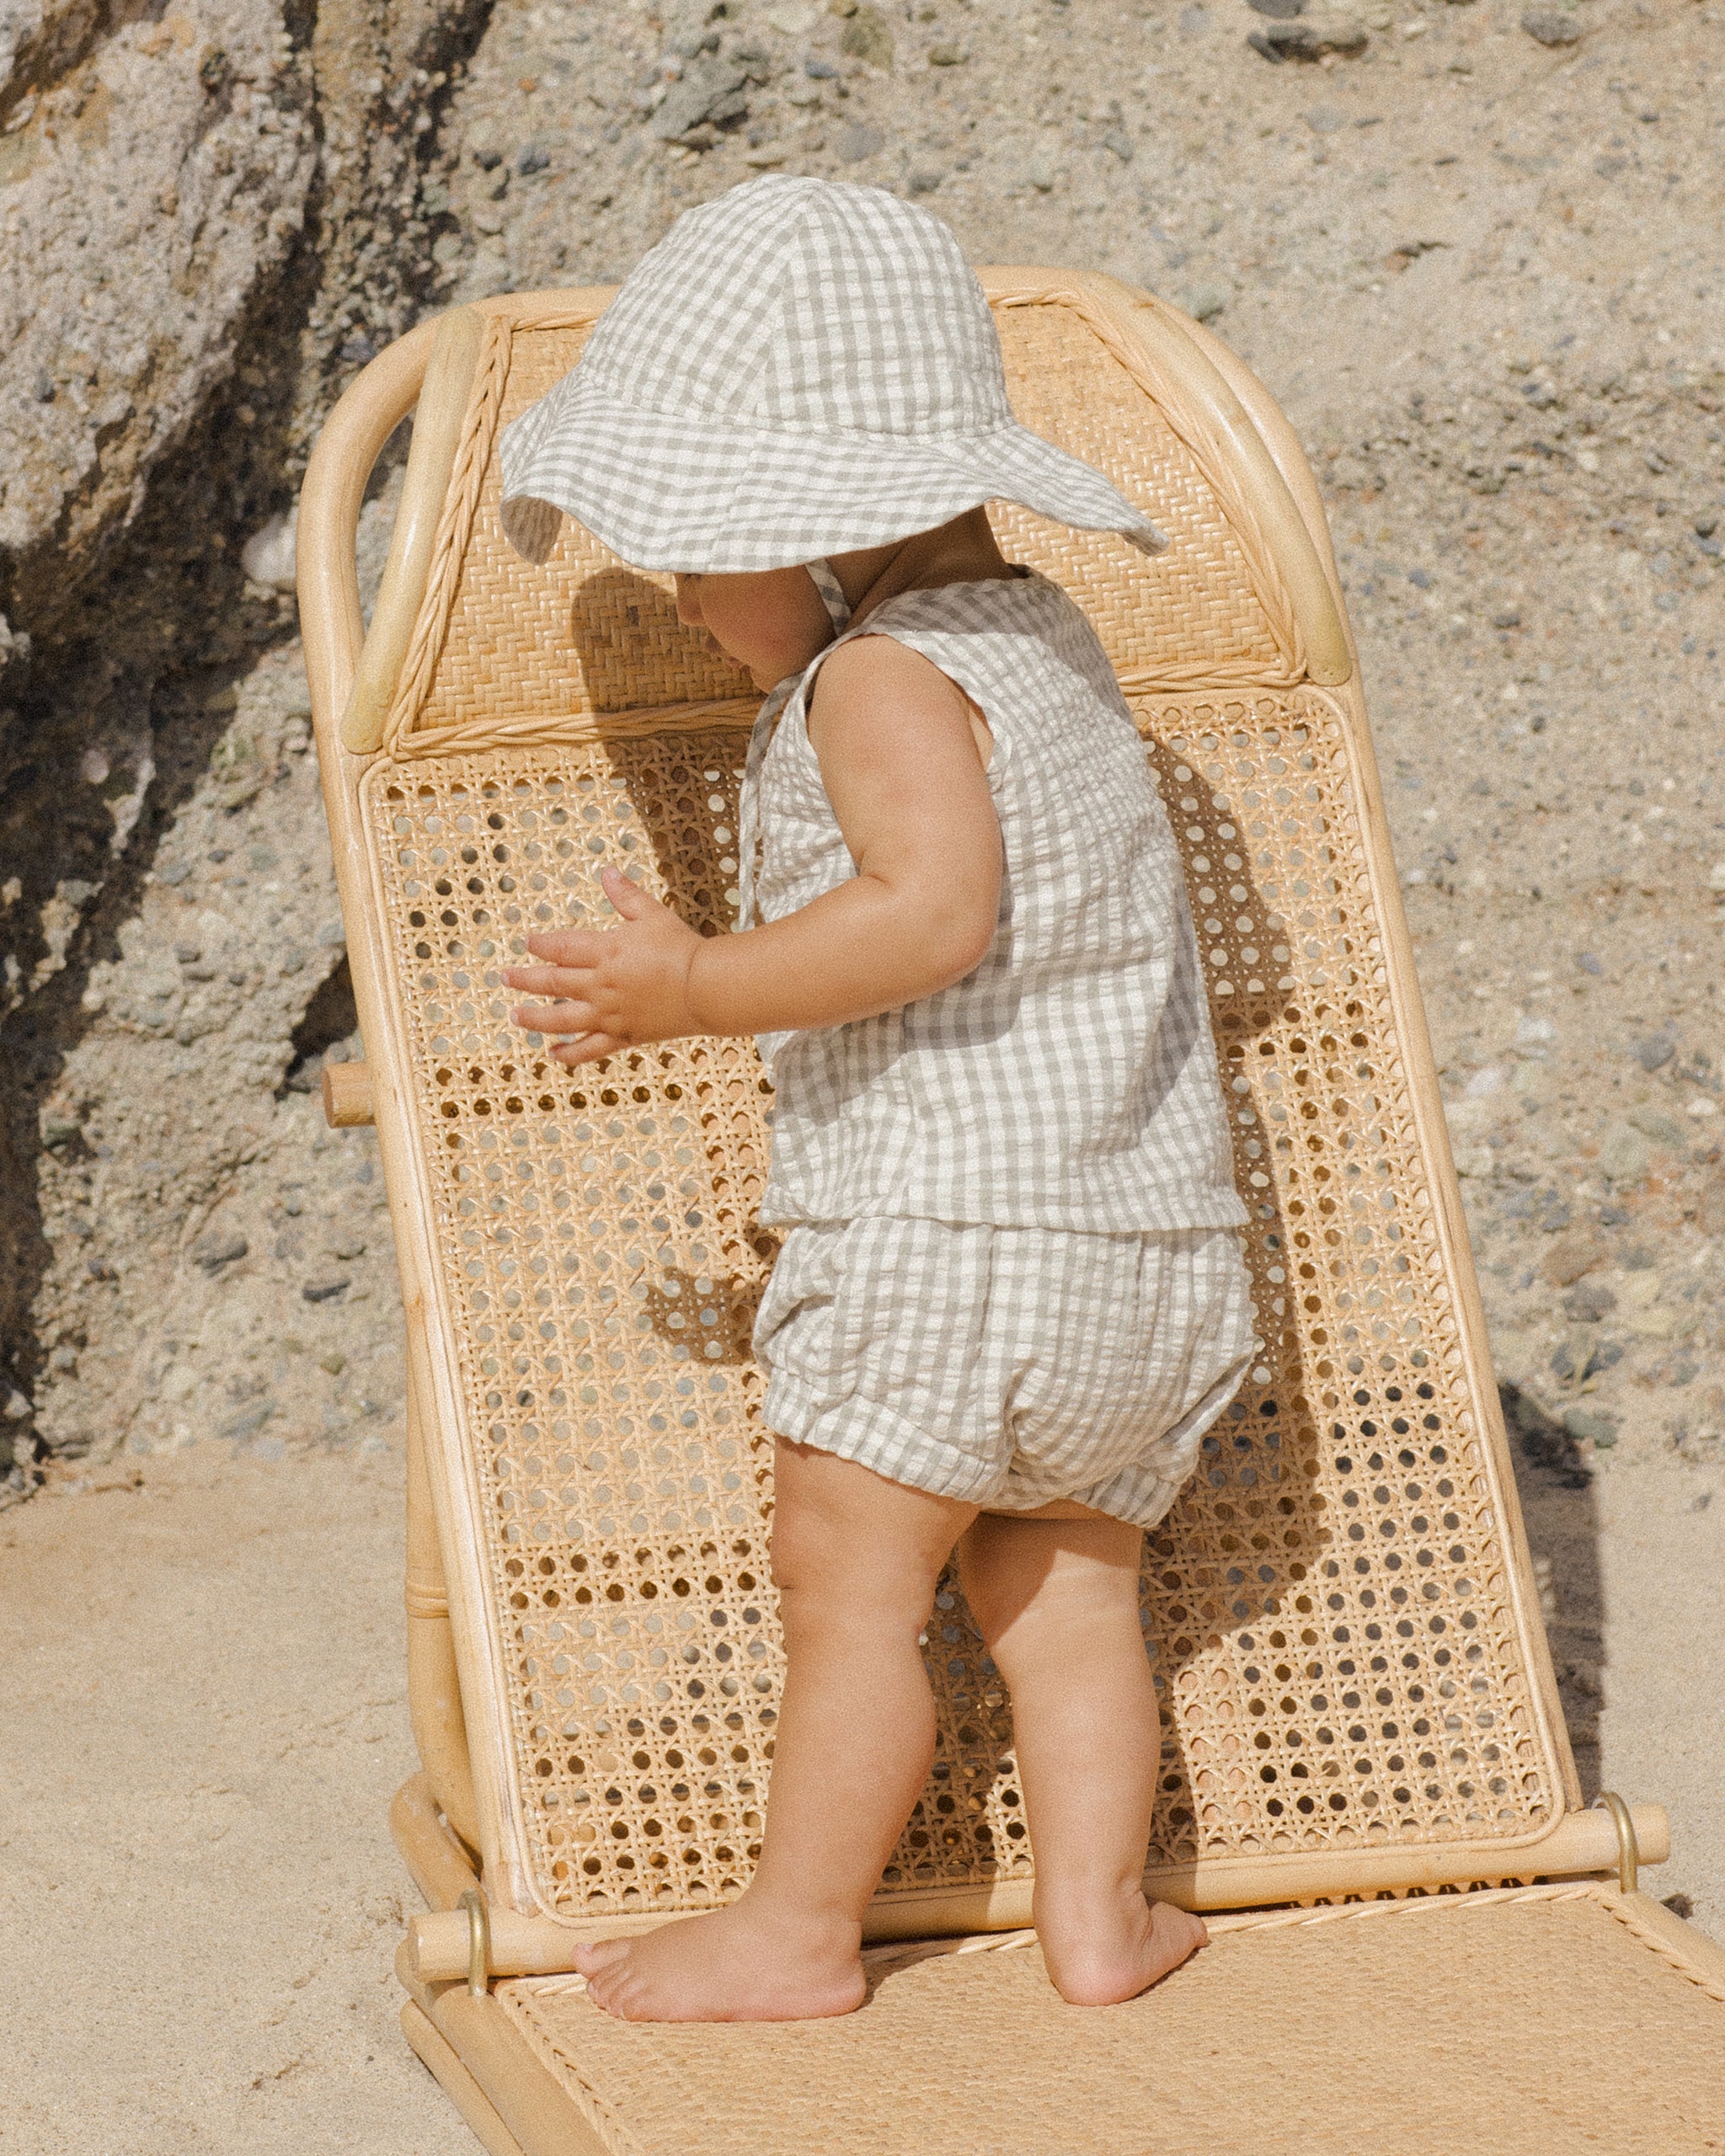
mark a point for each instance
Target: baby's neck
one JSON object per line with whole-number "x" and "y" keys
{"x": 961, "y": 552}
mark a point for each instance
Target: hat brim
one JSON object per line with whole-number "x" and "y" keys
{"x": 699, "y": 498}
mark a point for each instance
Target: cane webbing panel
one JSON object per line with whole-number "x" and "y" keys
{"x": 1327, "y": 1608}
{"x": 1519, "y": 2027}
{"x": 1328, "y": 1603}
{"x": 1189, "y": 615}
{"x": 585, "y": 634}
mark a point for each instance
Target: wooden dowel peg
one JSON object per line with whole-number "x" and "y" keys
{"x": 347, "y": 1095}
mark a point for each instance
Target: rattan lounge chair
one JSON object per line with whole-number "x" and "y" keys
{"x": 1423, "y": 1940}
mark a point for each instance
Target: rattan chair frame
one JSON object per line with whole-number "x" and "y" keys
{"x": 459, "y": 1823}
{"x": 1251, "y": 455}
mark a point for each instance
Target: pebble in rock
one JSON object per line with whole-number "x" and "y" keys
{"x": 1549, "y": 27}
{"x": 1655, "y": 1051}
{"x": 1310, "y": 37}
{"x": 216, "y": 1248}
{"x": 858, "y": 142}
{"x": 1582, "y": 1356}
{"x": 268, "y": 556}
{"x": 1589, "y": 1302}
{"x": 1663, "y": 1129}
{"x": 1204, "y": 302}
{"x": 1625, "y": 1155}
{"x": 1573, "y": 1257}
{"x": 247, "y": 1423}
{"x": 710, "y": 93}
{"x": 866, "y": 37}
{"x": 1592, "y": 1424}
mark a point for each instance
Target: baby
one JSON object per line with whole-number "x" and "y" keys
{"x": 1010, "y": 1298}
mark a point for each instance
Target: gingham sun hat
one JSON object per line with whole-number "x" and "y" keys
{"x": 799, "y": 368}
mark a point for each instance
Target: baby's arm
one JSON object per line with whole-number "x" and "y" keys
{"x": 901, "y": 762}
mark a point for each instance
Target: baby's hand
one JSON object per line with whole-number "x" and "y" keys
{"x": 614, "y": 990}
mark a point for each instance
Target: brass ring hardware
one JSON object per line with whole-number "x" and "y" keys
{"x": 478, "y": 1940}
{"x": 1628, "y": 1851}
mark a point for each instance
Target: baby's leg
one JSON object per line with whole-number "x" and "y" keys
{"x": 1057, "y": 1601}
{"x": 855, "y": 1559}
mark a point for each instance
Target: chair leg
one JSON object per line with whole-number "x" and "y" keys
{"x": 434, "y": 1686}
{"x": 442, "y": 1865}
{"x": 469, "y": 2099}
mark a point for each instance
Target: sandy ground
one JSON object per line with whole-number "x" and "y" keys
{"x": 199, "y": 1876}
{"x": 1662, "y": 1725}
{"x": 210, "y": 1711}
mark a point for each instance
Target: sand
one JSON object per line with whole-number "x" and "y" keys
{"x": 209, "y": 1717}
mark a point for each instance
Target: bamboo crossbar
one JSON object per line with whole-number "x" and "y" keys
{"x": 1583, "y": 1845}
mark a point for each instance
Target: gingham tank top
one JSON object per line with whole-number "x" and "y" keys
{"x": 1069, "y": 1081}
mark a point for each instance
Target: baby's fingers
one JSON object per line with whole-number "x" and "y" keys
{"x": 568, "y": 946}
{"x": 565, "y": 1017}
{"x": 591, "y": 1048}
{"x": 556, "y": 981}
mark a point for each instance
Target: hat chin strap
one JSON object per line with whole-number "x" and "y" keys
{"x": 832, "y": 596}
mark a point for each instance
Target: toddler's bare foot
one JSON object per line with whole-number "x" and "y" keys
{"x": 1102, "y": 1953}
{"x": 738, "y": 1965}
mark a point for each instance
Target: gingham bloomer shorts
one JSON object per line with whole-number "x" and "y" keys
{"x": 1008, "y": 1367}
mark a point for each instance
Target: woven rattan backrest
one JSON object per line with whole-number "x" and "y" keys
{"x": 1334, "y": 1610}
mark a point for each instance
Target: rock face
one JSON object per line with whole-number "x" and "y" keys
{"x": 150, "y": 186}
{"x": 1465, "y": 264}
{"x": 221, "y": 1264}
{"x": 210, "y": 214}
{"x": 158, "y": 178}
{"x": 382, "y": 72}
